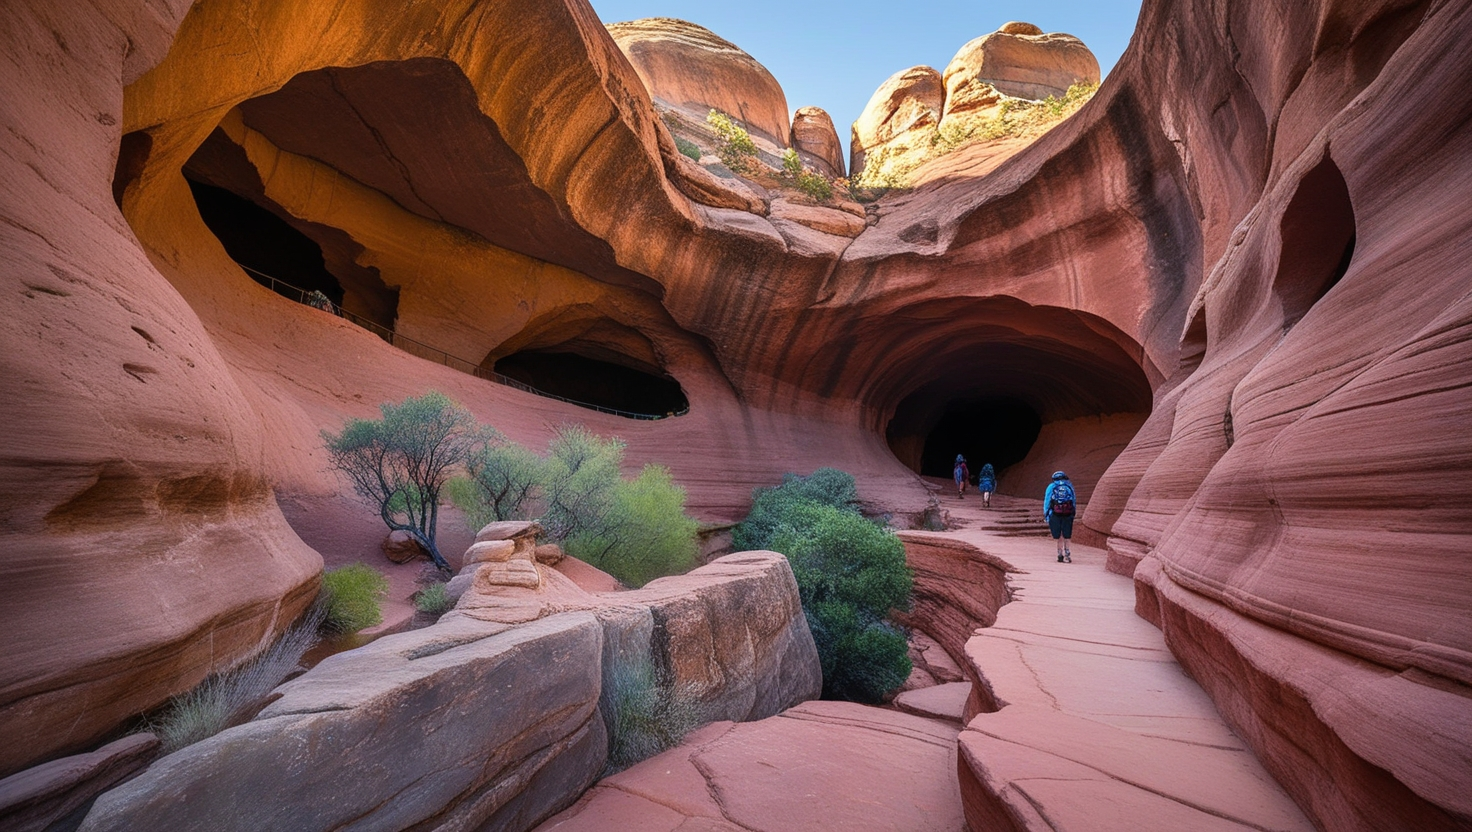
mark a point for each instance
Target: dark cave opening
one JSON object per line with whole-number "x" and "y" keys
{"x": 1318, "y": 241}
{"x": 591, "y": 381}
{"x": 258, "y": 239}
{"x": 996, "y": 430}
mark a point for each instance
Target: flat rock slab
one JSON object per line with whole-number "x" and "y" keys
{"x": 946, "y": 701}
{"x": 1099, "y": 728}
{"x": 820, "y": 765}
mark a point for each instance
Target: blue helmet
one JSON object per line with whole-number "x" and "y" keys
{"x": 1059, "y": 475}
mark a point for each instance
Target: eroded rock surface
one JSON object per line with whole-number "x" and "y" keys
{"x": 816, "y": 140}
{"x": 465, "y": 723}
{"x": 820, "y": 765}
{"x": 690, "y": 67}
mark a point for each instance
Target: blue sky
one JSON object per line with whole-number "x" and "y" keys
{"x": 835, "y": 54}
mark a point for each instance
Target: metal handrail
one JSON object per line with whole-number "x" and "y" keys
{"x": 425, "y": 351}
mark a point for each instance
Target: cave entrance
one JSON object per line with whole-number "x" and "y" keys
{"x": 259, "y": 240}
{"x": 591, "y": 381}
{"x": 1000, "y": 431}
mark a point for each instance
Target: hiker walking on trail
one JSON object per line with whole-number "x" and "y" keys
{"x": 961, "y": 476}
{"x": 1059, "y": 505}
{"x": 986, "y": 483}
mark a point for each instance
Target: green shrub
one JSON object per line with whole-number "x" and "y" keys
{"x": 504, "y": 480}
{"x": 644, "y": 715}
{"x": 230, "y": 698}
{"x": 827, "y": 486}
{"x": 354, "y": 593}
{"x": 736, "y": 149}
{"x": 791, "y": 163}
{"x": 645, "y": 533}
{"x": 581, "y": 474}
{"x": 433, "y": 599}
{"x": 688, "y": 148}
{"x": 850, "y": 573}
{"x": 815, "y": 186}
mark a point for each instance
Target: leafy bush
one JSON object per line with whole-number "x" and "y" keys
{"x": 736, "y": 149}
{"x": 850, "y": 573}
{"x": 433, "y": 599}
{"x": 580, "y": 477}
{"x": 815, "y": 186}
{"x": 353, "y": 596}
{"x": 229, "y": 698}
{"x": 688, "y": 148}
{"x": 791, "y": 163}
{"x": 770, "y": 506}
{"x": 504, "y": 479}
{"x": 643, "y": 715}
{"x": 645, "y": 534}
{"x": 400, "y": 463}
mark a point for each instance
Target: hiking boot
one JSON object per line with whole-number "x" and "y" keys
{"x": 1068, "y": 557}
{"x": 1060, "y": 558}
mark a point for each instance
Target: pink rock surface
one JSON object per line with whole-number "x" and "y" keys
{"x": 947, "y": 701}
{"x": 820, "y": 765}
{"x": 1083, "y": 693}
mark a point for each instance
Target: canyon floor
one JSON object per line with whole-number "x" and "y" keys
{"x": 1099, "y": 729}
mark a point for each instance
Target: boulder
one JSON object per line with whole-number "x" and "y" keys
{"x": 816, "y": 141}
{"x": 516, "y": 530}
{"x": 423, "y": 720}
{"x": 549, "y": 554}
{"x": 693, "y": 68}
{"x": 489, "y": 551}
{"x": 49, "y": 796}
{"x": 819, "y": 218}
{"x": 1019, "y": 61}
{"x": 514, "y": 573}
{"x": 401, "y": 547}
{"x": 896, "y": 126}
{"x": 739, "y": 671}
{"x": 706, "y": 188}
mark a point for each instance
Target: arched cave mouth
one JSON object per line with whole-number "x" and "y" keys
{"x": 1000, "y": 431}
{"x": 263, "y": 242}
{"x": 592, "y": 381}
{"x": 1000, "y": 381}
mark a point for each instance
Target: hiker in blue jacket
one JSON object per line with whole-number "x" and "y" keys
{"x": 960, "y": 475}
{"x": 1059, "y": 505}
{"x": 986, "y": 483}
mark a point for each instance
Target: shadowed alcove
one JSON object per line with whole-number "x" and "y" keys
{"x": 1004, "y": 379}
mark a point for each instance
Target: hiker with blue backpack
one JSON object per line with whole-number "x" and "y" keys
{"x": 1059, "y": 505}
{"x": 986, "y": 483}
{"x": 961, "y": 476}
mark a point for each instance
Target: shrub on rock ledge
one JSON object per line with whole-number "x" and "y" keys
{"x": 850, "y": 573}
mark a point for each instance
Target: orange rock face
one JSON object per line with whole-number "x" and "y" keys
{"x": 693, "y": 68}
{"x": 1251, "y": 243}
{"x": 814, "y": 136}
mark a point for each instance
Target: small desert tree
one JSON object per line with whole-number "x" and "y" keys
{"x": 504, "y": 479}
{"x": 733, "y": 144}
{"x": 401, "y": 462}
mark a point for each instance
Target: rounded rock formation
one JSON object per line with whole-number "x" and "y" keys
{"x": 1020, "y": 61}
{"x": 692, "y": 68}
{"x": 816, "y": 140}
{"x": 899, "y": 119}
